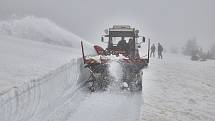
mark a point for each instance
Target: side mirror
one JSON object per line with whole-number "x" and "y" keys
{"x": 136, "y": 31}
{"x": 106, "y": 31}
{"x": 102, "y": 39}
{"x": 144, "y": 39}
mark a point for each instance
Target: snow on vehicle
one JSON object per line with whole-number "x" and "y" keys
{"x": 122, "y": 47}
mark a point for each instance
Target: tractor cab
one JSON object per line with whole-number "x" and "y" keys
{"x": 122, "y": 39}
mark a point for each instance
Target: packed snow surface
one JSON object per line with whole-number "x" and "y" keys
{"x": 178, "y": 89}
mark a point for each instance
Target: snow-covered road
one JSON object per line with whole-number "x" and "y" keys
{"x": 178, "y": 89}
{"x": 108, "y": 106}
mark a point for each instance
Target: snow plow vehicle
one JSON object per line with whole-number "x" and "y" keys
{"x": 123, "y": 47}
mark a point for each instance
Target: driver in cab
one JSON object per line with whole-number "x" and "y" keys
{"x": 122, "y": 44}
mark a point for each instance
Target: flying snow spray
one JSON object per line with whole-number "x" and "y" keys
{"x": 116, "y": 73}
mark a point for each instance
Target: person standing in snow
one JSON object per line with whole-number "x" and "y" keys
{"x": 160, "y": 51}
{"x": 152, "y": 50}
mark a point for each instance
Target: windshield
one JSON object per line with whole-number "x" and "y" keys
{"x": 116, "y": 40}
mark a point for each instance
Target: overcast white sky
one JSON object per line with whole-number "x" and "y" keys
{"x": 168, "y": 21}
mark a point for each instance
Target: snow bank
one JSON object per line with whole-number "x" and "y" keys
{"x": 33, "y": 101}
{"x": 23, "y": 60}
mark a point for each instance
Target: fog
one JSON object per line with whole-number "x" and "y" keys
{"x": 170, "y": 22}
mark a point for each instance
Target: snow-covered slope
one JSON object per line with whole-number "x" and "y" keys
{"x": 178, "y": 89}
{"x": 39, "y": 29}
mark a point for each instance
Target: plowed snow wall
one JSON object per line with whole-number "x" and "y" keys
{"x": 33, "y": 100}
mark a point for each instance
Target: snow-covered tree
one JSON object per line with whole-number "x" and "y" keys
{"x": 191, "y": 47}
{"x": 212, "y": 50}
